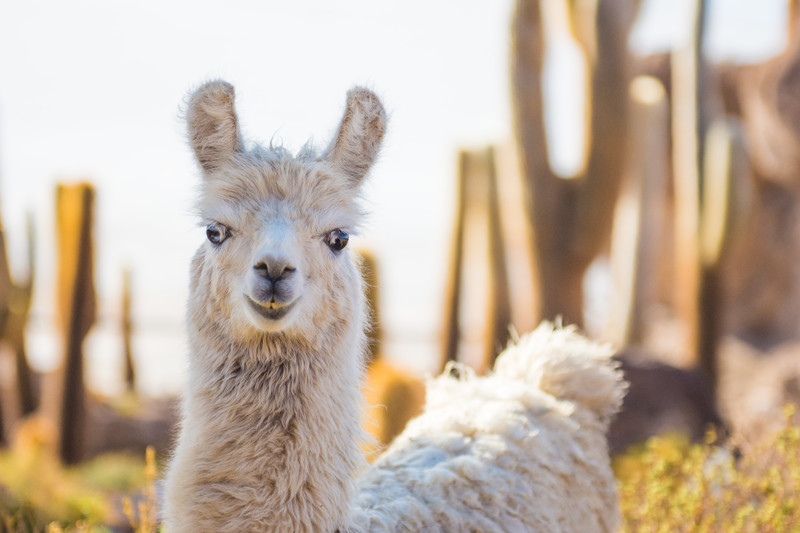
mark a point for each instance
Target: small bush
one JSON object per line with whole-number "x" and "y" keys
{"x": 38, "y": 494}
{"x": 36, "y": 491}
{"x": 669, "y": 485}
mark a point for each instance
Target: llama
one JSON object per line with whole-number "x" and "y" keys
{"x": 270, "y": 435}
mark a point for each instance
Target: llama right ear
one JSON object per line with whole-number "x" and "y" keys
{"x": 358, "y": 139}
{"x": 213, "y": 125}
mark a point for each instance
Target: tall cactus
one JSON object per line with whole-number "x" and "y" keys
{"x": 640, "y": 220}
{"x": 689, "y": 118}
{"x": 571, "y": 218}
{"x": 726, "y": 201}
{"x": 76, "y": 299}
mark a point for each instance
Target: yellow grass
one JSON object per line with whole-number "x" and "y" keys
{"x": 669, "y": 485}
{"x": 665, "y": 485}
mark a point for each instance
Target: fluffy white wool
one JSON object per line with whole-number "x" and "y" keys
{"x": 522, "y": 449}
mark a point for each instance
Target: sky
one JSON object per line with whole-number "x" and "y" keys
{"x": 93, "y": 90}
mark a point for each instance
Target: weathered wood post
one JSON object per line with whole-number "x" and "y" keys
{"x": 76, "y": 305}
{"x": 452, "y": 298}
{"x": 498, "y": 309}
{"x": 478, "y": 206}
{"x": 127, "y": 332}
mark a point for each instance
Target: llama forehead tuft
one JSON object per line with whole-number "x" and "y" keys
{"x": 304, "y": 188}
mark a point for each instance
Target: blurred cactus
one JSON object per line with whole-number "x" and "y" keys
{"x": 689, "y": 118}
{"x": 726, "y": 201}
{"x": 15, "y": 303}
{"x": 571, "y": 218}
{"x": 640, "y": 220}
{"x": 127, "y": 331}
{"x": 713, "y": 194}
{"x": 76, "y": 306}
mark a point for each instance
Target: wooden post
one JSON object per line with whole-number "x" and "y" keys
{"x": 76, "y": 298}
{"x": 452, "y": 297}
{"x": 127, "y": 332}
{"x": 498, "y": 310}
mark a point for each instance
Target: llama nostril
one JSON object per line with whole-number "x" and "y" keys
{"x": 273, "y": 269}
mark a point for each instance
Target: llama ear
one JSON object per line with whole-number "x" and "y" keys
{"x": 358, "y": 140}
{"x": 213, "y": 125}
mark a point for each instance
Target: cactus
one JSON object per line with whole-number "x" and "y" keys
{"x": 689, "y": 118}
{"x": 726, "y": 200}
{"x": 640, "y": 220}
{"x": 76, "y": 305}
{"x": 571, "y": 218}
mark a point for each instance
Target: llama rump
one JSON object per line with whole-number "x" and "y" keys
{"x": 270, "y": 434}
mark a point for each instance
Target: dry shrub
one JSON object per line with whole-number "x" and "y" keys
{"x": 670, "y": 485}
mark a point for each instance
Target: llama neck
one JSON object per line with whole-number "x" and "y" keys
{"x": 271, "y": 433}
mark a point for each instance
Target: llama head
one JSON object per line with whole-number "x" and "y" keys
{"x": 275, "y": 257}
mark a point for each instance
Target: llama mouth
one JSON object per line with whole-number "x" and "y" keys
{"x": 270, "y": 310}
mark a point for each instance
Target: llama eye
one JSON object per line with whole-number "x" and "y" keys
{"x": 337, "y": 240}
{"x": 216, "y": 233}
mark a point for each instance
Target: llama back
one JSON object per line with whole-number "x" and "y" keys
{"x": 523, "y": 449}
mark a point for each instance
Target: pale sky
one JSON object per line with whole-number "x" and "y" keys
{"x": 92, "y": 90}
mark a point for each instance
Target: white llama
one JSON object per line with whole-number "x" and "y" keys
{"x": 270, "y": 434}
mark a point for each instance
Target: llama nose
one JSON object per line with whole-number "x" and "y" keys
{"x": 274, "y": 268}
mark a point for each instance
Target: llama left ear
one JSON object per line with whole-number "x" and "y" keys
{"x": 358, "y": 140}
{"x": 213, "y": 125}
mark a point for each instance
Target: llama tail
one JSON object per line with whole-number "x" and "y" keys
{"x": 561, "y": 362}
